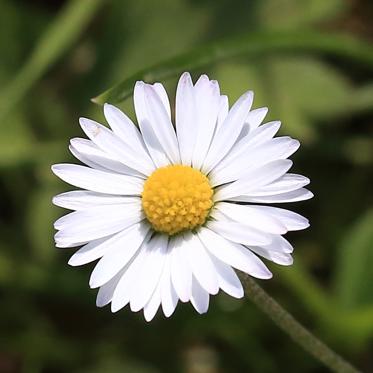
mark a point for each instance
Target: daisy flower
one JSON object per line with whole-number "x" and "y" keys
{"x": 170, "y": 210}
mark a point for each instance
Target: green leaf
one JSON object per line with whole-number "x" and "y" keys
{"x": 334, "y": 320}
{"x": 306, "y": 289}
{"x": 360, "y": 101}
{"x": 281, "y": 14}
{"x": 254, "y": 44}
{"x": 18, "y": 144}
{"x": 237, "y": 77}
{"x": 59, "y": 36}
{"x": 290, "y": 87}
{"x": 304, "y": 89}
{"x": 168, "y": 18}
{"x": 354, "y": 275}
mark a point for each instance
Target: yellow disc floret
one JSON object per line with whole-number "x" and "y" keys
{"x": 176, "y": 198}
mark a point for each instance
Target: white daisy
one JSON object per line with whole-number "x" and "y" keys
{"x": 169, "y": 213}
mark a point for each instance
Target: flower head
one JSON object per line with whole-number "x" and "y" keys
{"x": 170, "y": 211}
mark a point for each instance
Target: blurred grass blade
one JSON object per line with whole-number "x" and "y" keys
{"x": 302, "y": 336}
{"x": 336, "y": 320}
{"x": 59, "y": 36}
{"x": 313, "y": 296}
{"x": 354, "y": 276}
{"x": 253, "y": 44}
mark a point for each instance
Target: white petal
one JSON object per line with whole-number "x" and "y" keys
{"x": 207, "y": 97}
{"x": 262, "y": 134}
{"x": 238, "y": 232}
{"x": 89, "y": 154}
{"x": 119, "y": 254}
{"x": 279, "y": 148}
{"x": 244, "y": 131}
{"x": 152, "y": 306}
{"x": 162, "y": 94}
{"x": 254, "y": 178}
{"x": 231, "y": 168}
{"x": 248, "y": 143}
{"x": 200, "y": 297}
{"x": 106, "y": 140}
{"x": 294, "y": 196}
{"x": 200, "y": 263}
{"x": 223, "y": 110}
{"x": 287, "y": 183}
{"x": 255, "y": 117}
{"x": 277, "y": 257}
{"x": 122, "y": 292}
{"x": 181, "y": 273}
{"x": 227, "y": 278}
{"x": 291, "y": 220}
{"x": 161, "y": 122}
{"x": 124, "y": 128}
{"x": 150, "y": 272}
{"x": 186, "y": 118}
{"x": 168, "y": 294}
{"x": 255, "y": 218}
{"x": 148, "y": 130}
{"x": 98, "y": 181}
{"x": 106, "y": 291}
{"x": 228, "y": 132}
{"x": 98, "y": 213}
{"x": 86, "y": 225}
{"x": 280, "y": 244}
{"x": 82, "y": 199}
{"x": 91, "y": 251}
{"x": 98, "y": 248}
{"x": 86, "y": 150}
{"x": 80, "y": 157}
{"x": 233, "y": 254}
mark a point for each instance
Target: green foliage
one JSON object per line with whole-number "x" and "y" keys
{"x": 354, "y": 274}
{"x": 290, "y": 87}
{"x": 250, "y": 45}
{"x": 289, "y": 14}
{"x": 59, "y": 36}
{"x": 314, "y": 77}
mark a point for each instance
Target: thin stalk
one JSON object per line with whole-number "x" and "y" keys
{"x": 285, "y": 321}
{"x": 254, "y": 44}
{"x": 59, "y": 36}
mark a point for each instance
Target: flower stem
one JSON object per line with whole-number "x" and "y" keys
{"x": 296, "y": 331}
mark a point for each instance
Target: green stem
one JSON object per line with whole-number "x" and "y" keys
{"x": 61, "y": 34}
{"x": 293, "y": 328}
{"x": 254, "y": 44}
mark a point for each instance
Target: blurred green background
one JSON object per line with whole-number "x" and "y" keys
{"x": 56, "y": 55}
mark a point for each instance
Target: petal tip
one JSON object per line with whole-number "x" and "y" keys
{"x": 139, "y": 84}
{"x": 107, "y": 108}
{"x": 115, "y": 307}
{"x": 73, "y": 263}
{"x": 241, "y": 294}
{"x": 185, "y": 75}
{"x": 100, "y": 304}
{"x": 55, "y": 168}
{"x": 148, "y": 318}
{"x": 93, "y": 282}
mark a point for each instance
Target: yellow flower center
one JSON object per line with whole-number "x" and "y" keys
{"x": 176, "y": 198}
